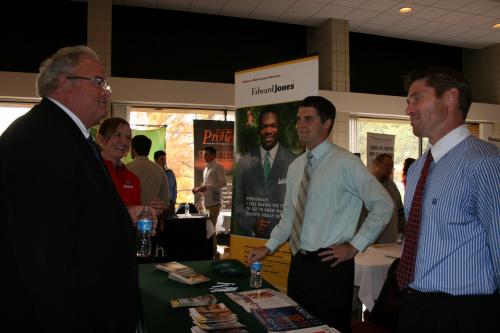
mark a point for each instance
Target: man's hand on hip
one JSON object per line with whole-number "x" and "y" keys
{"x": 338, "y": 253}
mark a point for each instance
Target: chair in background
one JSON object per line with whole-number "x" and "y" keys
{"x": 181, "y": 209}
{"x": 384, "y": 316}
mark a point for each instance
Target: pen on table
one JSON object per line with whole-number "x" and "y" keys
{"x": 225, "y": 283}
{"x": 223, "y": 289}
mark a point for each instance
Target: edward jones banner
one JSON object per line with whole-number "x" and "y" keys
{"x": 267, "y": 100}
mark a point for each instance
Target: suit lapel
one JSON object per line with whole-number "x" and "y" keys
{"x": 86, "y": 151}
{"x": 256, "y": 167}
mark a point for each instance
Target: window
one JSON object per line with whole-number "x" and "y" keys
{"x": 10, "y": 112}
{"x": 179, "y": 139}
{"x": 406, "y": 144}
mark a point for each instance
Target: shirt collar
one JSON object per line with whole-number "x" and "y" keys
{"x": 320, "y": 149}
{"x": 73, "y": 116}
{"x": 449, "y": 141}
{"x": 272, "y": 152}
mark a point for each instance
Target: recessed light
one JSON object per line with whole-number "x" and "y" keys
{"x": 496, "y": 26}
{"x": 405, "y": 10}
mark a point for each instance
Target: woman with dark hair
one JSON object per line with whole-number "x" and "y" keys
{"x": 406, "y": 166}
{"x": 114, "y": 137}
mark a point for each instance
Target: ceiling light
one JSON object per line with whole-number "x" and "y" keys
{"x": 496, "y": 26}
{"x": 405, "y": 10}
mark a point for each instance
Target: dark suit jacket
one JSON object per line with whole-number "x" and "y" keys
{"x": 270, "y": 192}
{"x": 66, "y": 239}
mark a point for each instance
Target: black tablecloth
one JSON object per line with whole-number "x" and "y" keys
{"x": 157, "y": 290}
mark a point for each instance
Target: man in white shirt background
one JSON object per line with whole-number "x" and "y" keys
{"x": 214, "y": 179}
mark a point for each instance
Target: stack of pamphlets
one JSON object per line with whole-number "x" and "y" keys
{"x": 289, "y": 319}
{"x": 172, "y": 266}
{"x": 315, "y": 329}
{"x": 196, "y": 329}
{"x": 193, "y": 301}
{"x": 261, "y": 299}
{"x": 214, "y": 317}
{"x": 182, "y": 273}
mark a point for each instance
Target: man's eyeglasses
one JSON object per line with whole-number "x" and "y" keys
{"x": 97, "y": 79}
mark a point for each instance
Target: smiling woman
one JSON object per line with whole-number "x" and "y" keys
{"x": 114, "y": 137}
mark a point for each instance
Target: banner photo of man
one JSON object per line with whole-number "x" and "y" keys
{"x": 266, "y": 100}
{"x": 266, "y": 145}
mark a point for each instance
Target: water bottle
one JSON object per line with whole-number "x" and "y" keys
{"x": 144, "y": 228}
{"x": 186, "y": 209}
{"x": 255, "y": 275}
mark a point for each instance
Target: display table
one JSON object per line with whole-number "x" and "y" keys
{"x": 371, "y": 268}
{"x": 184, "y": 238}
{"x": 157, "y": 290}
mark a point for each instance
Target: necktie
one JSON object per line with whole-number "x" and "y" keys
{"x": 267, "y": 164}
{"x": 405, "y": 272}
{"x": 298, "y": 219}
{"x": 97, "y": 154}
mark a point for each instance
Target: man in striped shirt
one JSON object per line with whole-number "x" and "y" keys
{"x": 453, "y": 284}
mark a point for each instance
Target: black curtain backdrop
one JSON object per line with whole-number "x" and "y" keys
{"x": 165, "y": 44}
{"x": 377, "y": 64}
{"x": 32, "y": 31}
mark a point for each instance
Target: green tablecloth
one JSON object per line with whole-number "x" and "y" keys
{"x": 157, "y": 290}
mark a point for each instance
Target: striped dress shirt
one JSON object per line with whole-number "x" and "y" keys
{"x": 459, "y": 243}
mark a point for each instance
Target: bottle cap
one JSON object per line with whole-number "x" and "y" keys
{"x": 257, "y": 266}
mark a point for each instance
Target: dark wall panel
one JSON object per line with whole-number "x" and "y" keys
{"x": 164, "y": 44}
{"x": 377, "y": 64}
{"x": 32, "y": 31}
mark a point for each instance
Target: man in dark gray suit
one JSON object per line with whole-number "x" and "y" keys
{"x": 68, "y": 246}
{"x": 261, "y": 179}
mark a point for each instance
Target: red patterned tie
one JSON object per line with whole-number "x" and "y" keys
{"x": 406, "y": 268}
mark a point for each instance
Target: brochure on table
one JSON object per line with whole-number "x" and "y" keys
{"x": 260, "y": 299}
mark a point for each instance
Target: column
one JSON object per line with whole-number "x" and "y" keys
{"x": 331, "y": 41}
{"x": 99, "y": 19}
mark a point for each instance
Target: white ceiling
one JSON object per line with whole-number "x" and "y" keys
{"x": 462, "y": 23}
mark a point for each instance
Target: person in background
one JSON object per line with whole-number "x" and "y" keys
{"x": 406, "y": 166}
{"x": 261, "y": 174}
{"x": 325, "y": 189}
{"x": 154, "y": 183}
{"x": 449, "y": 273}
{"x": 113, "y": 139}
{"x": 69, "y": 252}
{"x": 214, "y": 179}
{"x": 114, "y": 136}
{"x": 382, "y": 168}
{"x": 161, "y": 159}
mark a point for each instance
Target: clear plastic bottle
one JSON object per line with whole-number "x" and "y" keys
{"x": 186, "y": 209}
{"x": 255, "y": 275}
{"x": 144, "y": 228}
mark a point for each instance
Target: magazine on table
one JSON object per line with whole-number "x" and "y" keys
{"x": 286, "y": 318}
{"x": 193, "y": 301}
{"x": 315, "y": 329}
{"x": 261, "y": 298}
{"x": 196, "y": 329}
{"x": 188, "y": 277}
{"x": 172, "y": 267}
{"x": 214, "y": 317}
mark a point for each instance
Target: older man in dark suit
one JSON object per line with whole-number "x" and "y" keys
{"x": 67, "y": 242}
{"x": 261, "y": 179}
